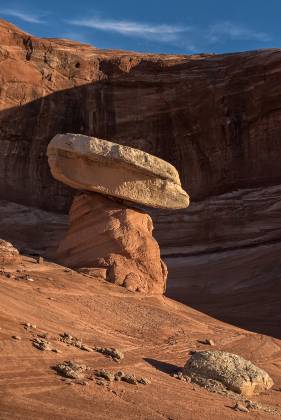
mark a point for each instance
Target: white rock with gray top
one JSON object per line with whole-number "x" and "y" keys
{"x": 234, "y": 372}
{"x": 92, "y": 164}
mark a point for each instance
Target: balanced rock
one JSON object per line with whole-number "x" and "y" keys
{"x": 104, "y": 233}
{"x": 88, "y": 163}
{"x": 234, "y": 372}
{"x": 8, "y": 254}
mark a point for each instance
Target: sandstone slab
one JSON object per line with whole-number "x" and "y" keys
{"x": 92, "y": 164}
{"x": 233, "y": 371}
{"x": 104, "y": 233}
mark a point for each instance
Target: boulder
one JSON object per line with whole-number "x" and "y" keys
{"x": 234, "y": 372}
{"x": 8, "y": 254}
{"x": 92, "y": 164}
{"x": 105, "y": 233}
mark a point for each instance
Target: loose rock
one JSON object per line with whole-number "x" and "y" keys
{"x": 42, "y": 344}
{"x": 232, "y": 371}
{"x": 207, "y": 341}
{"x": 109, "y": 376}
{"x": 144, "y": 381}
{"x": 120, "y": 376}
{"x": 70, "y": 340}
{"x": 40, "y": 260}
{"x": 86, "y": 348}
{"x": 131, "y": 379}
{"x": 116, "y": 354}
{"x": 240, "y": 407}
{"x": 70, "y": 369}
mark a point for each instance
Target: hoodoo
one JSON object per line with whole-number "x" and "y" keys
{"x": 106, "y": 230}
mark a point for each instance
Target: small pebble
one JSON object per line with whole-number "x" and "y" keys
{"x": 239, "y": 407}
{"x": 16, "y": 337}
{"x": 144, "y": 381}
{"x": 43, "y": 335}
{"x": 86, "y": 348}
{"x": 207, "y": 341}
{"x": 101, "y": 382}
{"x": 40, "y": 260}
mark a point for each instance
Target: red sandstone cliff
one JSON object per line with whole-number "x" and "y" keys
{"x": 216, "y": 118}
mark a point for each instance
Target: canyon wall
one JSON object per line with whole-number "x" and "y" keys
{"x": 217, "y": 118}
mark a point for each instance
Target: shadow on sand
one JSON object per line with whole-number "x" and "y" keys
{"x": 164, "y": 367}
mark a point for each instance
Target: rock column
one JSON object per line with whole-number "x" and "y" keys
{"x": 106, "y": 234}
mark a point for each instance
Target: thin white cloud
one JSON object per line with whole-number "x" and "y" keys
{"x": 191, "y": 38}
{"x": 26, "y": 17}
{"x": 224, "y": 31}
{"x": 155, "y": 32}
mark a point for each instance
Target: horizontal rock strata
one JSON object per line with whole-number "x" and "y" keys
{"x": 216, "y": 118}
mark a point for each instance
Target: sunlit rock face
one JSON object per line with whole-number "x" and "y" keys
{"x": 97, "y": 165}
{"x": 104, "y": 233}
{"x": 215, "y": 118}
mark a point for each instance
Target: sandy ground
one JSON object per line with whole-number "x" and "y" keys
{"x": 155, "y": 334}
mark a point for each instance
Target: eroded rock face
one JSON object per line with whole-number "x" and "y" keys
{"x": 92, "y": 164}
{"x": 8, "y": 254}
{"x": 104, "y": 233}
{"x": 215, "y": 118}
{"x": 234, "y": 372}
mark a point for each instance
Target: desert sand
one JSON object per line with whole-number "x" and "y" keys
{"x": 154, "y": 333}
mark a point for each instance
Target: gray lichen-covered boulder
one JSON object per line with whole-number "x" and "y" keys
{"x": 234, "y": 372}
{"x": 91, "y": 164}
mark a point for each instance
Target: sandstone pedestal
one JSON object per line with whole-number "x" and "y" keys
{"x": 104, "y": 233}
{"x": 107, "y": 237}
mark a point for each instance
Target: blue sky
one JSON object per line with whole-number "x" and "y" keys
{"x": 163, "y": 26}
